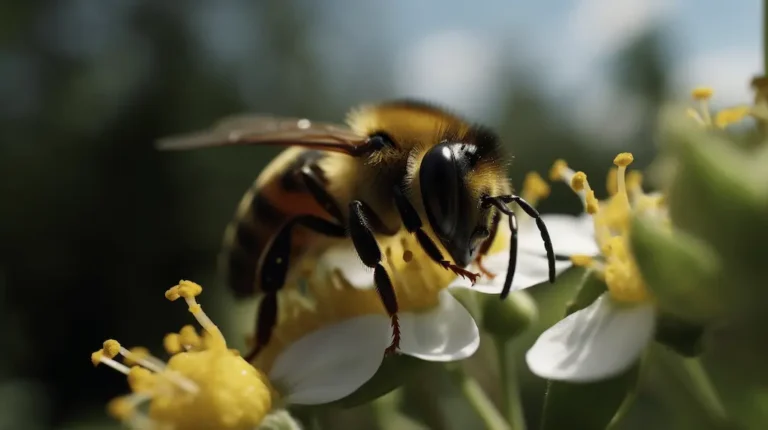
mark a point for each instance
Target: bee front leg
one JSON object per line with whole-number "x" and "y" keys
{"x": 365, "y": 244}
{"x": 413, "y": 224}
{"x": 274, "y": 269}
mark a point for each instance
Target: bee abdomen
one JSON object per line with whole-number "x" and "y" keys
{"x": 246, "y": 239}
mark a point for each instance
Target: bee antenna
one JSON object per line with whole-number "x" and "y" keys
{"x": 500, "y": 202}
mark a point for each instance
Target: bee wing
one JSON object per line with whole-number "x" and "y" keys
{"x": 254, "y": 129}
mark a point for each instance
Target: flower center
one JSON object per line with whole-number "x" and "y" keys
{"x": 204, "y": 384}
{"x": 722, "y": 118}
{"x": 612, "y": 218}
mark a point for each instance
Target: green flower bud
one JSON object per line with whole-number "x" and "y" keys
{"x": 394, "y": 370}
{"x": 681, "y": 271}
{"x": 508, "y": 318}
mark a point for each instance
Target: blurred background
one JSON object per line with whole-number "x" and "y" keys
{"x": 95, "y": 223}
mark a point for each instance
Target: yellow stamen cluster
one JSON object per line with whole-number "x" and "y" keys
{"x": 722, "y": 118}
{"x": 612, "y": 219}
{"x": 203, "y": 386}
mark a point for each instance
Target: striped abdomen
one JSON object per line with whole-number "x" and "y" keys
{"x": 277, "y": 195}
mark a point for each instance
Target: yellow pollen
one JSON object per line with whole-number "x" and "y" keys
{"x": 593, "y": 205}
{"x": 120, "y": 408}
{"x": 582, "y": 260}
{"x": 188, "y": 337}
{"x": 205, "y": 388}
{"x": 702, "y": 93}
{"x": 111, "y": 348}
{"x": 579, "y": 181}
{"x": 534, "y": 187}
{"x": 97, "y": 356}
{"x": 172, "y": 343}
{"x": 731, "y": 116}
{"x": 559, "y": 167}
{"x": 624, "y": 159}
{"x": 141, "y": 380}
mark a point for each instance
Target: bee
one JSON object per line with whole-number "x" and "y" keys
{"x": 398, "y": 164}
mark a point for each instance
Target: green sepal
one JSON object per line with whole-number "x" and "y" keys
{"x": 681, "y": 271}
{"x": 720, "y": 195}
{"x": 392, "y": 373}
{"x": 683, "y": 337}
{"x": 587, "y": 406}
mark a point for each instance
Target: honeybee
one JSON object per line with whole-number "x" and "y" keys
{"x": 396, "y": 164}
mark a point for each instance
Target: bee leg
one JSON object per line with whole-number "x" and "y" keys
{"x": 413, "y": 224}
{"x": 486, "y": 246}
{"x": 274, "y": 269}
{"x": 370, "y": 253}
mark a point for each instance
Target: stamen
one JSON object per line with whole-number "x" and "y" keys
{"x": 696, "y": 116}
{"x": 99, "y": 357}
{"x": 189, "y": 290}
{"x": 534, "y": 188}
{"x": 610, "y": 182}
{"x": 147, "y": 361}
{"x": 141, "y": 380}
{"x": 189, "y": 337}
{"x": 732, "y": 115}
{"x": 622, "y": 161}
{"x": 702, "y": 93}
{"x": 559, "y": 170}
{"x": 172, "y": 343}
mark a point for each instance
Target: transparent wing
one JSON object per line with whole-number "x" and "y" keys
{"x": 255, "y": 129}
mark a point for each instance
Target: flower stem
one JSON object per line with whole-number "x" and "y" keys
{"x": 701, "y": 387}
{"x": 478, "y": 399}
{"x": 510, "y": 389}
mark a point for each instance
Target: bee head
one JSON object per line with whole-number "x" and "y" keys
{"x": 460, "y": 222}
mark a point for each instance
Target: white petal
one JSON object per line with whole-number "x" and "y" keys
{"x": 346, "y": 259}
{"x": 332, "y": 362}
{"x": 530, "y": 270}
{"x": 446, "y": 333}
{"x": 597, "y": 342}
{"x": 570, "y": 235}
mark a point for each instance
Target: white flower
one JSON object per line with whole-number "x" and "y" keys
{"x": 608, "y": 336}
{"x": 434, "y": 326}
{"x": 206, "y": 385}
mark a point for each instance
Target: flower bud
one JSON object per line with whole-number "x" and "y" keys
{"x": 507, "y": 318}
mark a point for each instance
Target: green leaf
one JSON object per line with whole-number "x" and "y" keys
{"x": 587, "y": 406}
{"x": 682, "y": 272}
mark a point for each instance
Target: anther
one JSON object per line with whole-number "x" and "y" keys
{"x": 172, "y": 343}
{"x": 579, "y": 181}
{"x": 593, "y": 205}
{"x": 534, "y": 186}
{"x": 582, "y": 260}
{"x": 624, "y": 159}
{"x": 111, "y": 348}
{"x": 189, "y": 289}
{"x": 702, "y": 93}
{"x": 559, "y": 167}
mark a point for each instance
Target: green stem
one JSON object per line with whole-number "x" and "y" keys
{"x": 702, "y": 388}
{"x": 510, "y": 387}
{"x": 478, "y": 399}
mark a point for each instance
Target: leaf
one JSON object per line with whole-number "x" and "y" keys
{"x": 586, "y": 406}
